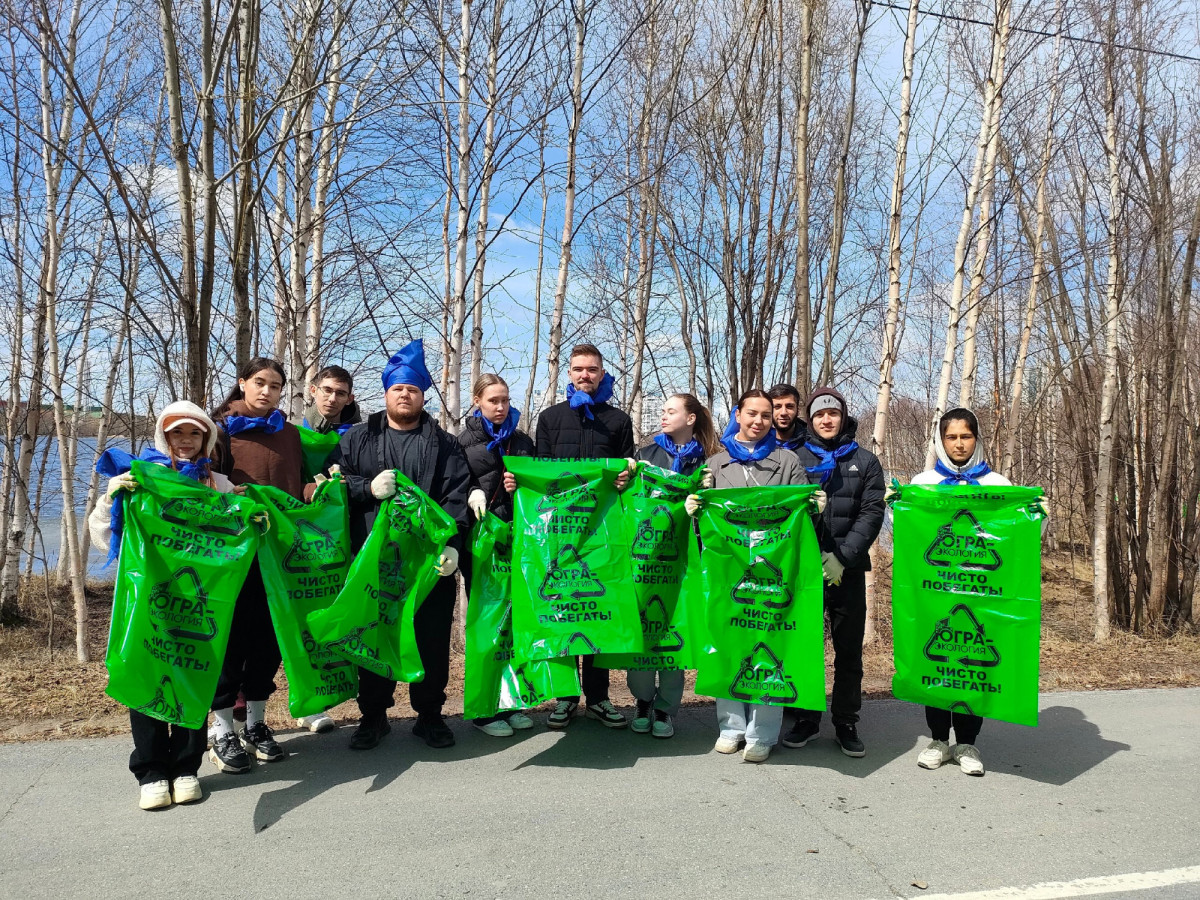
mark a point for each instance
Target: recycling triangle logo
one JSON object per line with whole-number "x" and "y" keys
{"x": 570, "y": 493}
{"x": 569, "y": 578}
{"x": 215, "y": 515}
{"x": 661, "y": 487}
{"x": 179, "y": 607}
{"x": 392, "y": 584}
{"x": 579, "y": 644}
{"x": 313, "y": 548}
{"x": 964, "y": 544}
{"x": 406, "y": 514}
{"x": 655, "y": 536}
{"x": 165, "y": 704}
{"x": 762, "y": 584}
{"x": 960, "y": 638}
{"x": 657, "y": 630}
{"x": 757, "y": 518}
{"x": 761, "y": 679}
{"x": 525, "y": 685}
{"x": 320, "y": 656}
{"x": 353, "y": 646}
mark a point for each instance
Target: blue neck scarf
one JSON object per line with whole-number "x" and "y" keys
{"x": 828, "y": 458}
{"x": 500, "y": 434}
{"x": 272, "y": 424}
{"x": 966, "y": 476}
{"x": 679, "y": 453}
{"x": 738, "y": 451}
{"x": 115, "y": 461}
{"x": 585, "y": 400}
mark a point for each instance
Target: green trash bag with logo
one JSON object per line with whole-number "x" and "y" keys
{"x": 316, "y": 448}
{"x": 303, "y": 558}
{"x": 370, "y": 623}
{"x": 967, "y": 599}
{"x": 185, "y": 551}
{"x": 762, "y": 598}
{"x": 494, "y": 679}
{"x": 664, "y": 558}
{"x": 573, "y": 587}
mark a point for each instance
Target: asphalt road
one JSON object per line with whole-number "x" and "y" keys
{"x": 1107, "y": 785}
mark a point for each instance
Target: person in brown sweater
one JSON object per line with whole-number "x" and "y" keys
{"x": 257, "y": 446}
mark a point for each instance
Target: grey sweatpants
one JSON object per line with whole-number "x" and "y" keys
{"x": 666, "y": 695}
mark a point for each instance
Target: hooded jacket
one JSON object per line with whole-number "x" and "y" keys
{"x": 933, "y": 476}
{"x": 100, "y": 519}
{"x": 566, "y": 433}
{"x": 487, "y": 466}
{"x": 351, "y": 415}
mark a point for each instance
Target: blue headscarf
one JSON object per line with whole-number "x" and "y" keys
{"x": 738, "y": 451}
{"x": 828, "y": 458}
{"x": 272, "y": 424}
{"x": 408, "y": 367}
{"x": 963, "y": 476}
{"x": 577, "y": 399}
{"x": 679, "y": 453}
{"x": 500, "y": 434}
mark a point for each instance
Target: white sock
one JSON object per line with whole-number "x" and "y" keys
{"x": 256, "y": 711}
{"x": 224, "y": 722}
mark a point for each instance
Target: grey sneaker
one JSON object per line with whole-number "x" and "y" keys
{"x": 663, "y": 727}
{"x": 641, "y": 719}
{"x": 563, "y": 711}
{"x": 934, "y": 756}
{"x": 968, "y": 759}
{"x": 606, "y": 714}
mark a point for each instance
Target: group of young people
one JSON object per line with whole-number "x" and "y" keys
{"x": 774, "y": 437}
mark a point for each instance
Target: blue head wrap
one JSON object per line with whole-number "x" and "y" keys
{"x": 408, "y": 367}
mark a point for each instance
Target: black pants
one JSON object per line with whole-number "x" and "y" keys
{"x": 966, "y": 726}
{"x": 162, "y": 752}
{"x": 846, "y": 606}
{"x": 432, "y": 625}
{"x": 594, "y": 680}
{"x": 253, "y": 656}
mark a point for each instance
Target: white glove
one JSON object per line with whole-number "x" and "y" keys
{"x": 692, "y": 504}
{"x": 448, "y": 562}
{"x": 383, "y": 485}
{"x": 708, "y": 479}
{"x": 820, "y": 498}
{"x": 335, "y": 469}
{"x": 833, "y": 568}
{"x": 123, "y": 482}
{"x": 477, "y": 502}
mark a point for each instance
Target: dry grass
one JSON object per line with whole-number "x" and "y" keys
{"x": 45, "y": 693}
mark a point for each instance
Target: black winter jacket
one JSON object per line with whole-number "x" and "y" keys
{"x": 445, "y": 475}
{"x": 487, "y": 466}
{"x": 854, "y": 509}
{"x": 565, "y": 433}
{"x": 657, "y": 456}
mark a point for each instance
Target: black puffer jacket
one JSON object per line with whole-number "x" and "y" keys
{"x": 657, "y": 456}
{"x": 854, "y": 511}
{"x": 487, "y": 466}
{"x": 565, "y": 433}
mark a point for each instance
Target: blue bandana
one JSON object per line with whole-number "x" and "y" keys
{"x": 583, "y": 399}
{"x": 500, "y": 434}
{"x": 738, "y": 451}
{"x": 679, "y": 454}
{"x": 966, "y": 476}
{"x": 408, "y": 367}
{"x": 828, "y": 459}
{"x": 272, "y": 424}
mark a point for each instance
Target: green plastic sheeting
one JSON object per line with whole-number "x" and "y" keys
{"x": 304, "y": 557}
{"x": 762, "y": 598}
{"x": 185, "y": 552}
{"x": 371, "y": 621}
{"x": 573, "y": 588}
{"x": 495, "y": 680}
{"x": 665, "y": 558}
{"x": 316, "y": 449}
{"x": 967, "y": 599}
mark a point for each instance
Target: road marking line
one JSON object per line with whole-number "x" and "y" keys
{"x": 1082, "y": 887}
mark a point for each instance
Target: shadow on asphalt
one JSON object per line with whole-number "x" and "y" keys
{"x": 587, "y": 744}
{"x": 1064, "y": 746}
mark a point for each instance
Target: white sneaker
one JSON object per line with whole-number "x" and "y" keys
{"x": 968, "y": 759}
{"x": 728, "y": 744}
{"x": 933, "y": 756}
{"x": 756, "y": 753}
{"x": 186, "y": 789}
{"x": 518, "y": 721}
{"x": 155, "y": 795}
{"x": 317, "y": 724}
{"x": 499, "y": 728}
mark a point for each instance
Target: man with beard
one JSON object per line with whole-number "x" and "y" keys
{"x": 790, "y": 430}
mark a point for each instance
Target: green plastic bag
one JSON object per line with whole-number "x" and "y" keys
{"x": 573, "y": 588}
{"x": 664, "y": 558}
{"x": 185, "y": 552}
{"x": 316, "y": 449}
{"x": 967, "y": 599}
{"x": 304, "y": 558}
{"x": 762, "y": 597}
{"x": 494, "y": 679}
{"x": 371, "y": 621}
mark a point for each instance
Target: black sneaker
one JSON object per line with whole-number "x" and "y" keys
{"x": 228, "y": 755}
{"x": 370, "y": 732}
{"x": 560, "y": 717}
{"x": 607, "y": 714}
{"x": 434, "y": 731}
{"x": 259, "y": 740}
{"x": 802, "y": 732}
{"x": 847, "y": 738}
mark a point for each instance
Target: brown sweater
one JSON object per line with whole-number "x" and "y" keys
{"x": 261, "y": 458}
